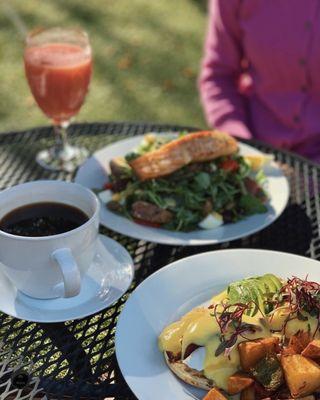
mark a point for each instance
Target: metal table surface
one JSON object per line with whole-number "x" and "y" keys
{"x": 76, "y": 359}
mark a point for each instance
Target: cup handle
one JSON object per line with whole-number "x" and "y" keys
{"x": 70, "y": 272}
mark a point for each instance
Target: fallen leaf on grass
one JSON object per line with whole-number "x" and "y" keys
{"x": 167, "y": 84}
{"x": 188, "y": 73}
{"x": 125, "y": 62}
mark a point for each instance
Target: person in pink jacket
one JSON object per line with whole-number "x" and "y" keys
{"x": 277, "y": 44}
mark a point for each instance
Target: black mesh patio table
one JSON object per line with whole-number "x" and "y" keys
{"x": 77, "y": 359}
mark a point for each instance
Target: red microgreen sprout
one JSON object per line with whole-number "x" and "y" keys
{"x": 299, "y": 296}
{"x": 231, "y": 316}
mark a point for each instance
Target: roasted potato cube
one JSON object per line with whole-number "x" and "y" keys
{"x": 268, "y": 372}
{"x": 252, "y": 352}
{"x": 214, "y": 394}
{"x": 271, "y": 344}
{"x": 301, "y": 374}
{"x": 297, "y": 343}
{"x": 248, "y": 394}
{"x": 238, "y": 382}
{"x": 312, "y": 350}
{"x": 287, "y": 396}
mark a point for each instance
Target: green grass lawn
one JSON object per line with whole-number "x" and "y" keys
{"x": 146, "y": 59}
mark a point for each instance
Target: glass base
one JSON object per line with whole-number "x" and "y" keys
{"x": 65, "y": 159}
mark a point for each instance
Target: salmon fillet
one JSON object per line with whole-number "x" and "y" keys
{"x": 194, "y": 147}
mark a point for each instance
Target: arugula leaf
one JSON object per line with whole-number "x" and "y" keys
{"x": 155, "y": 198}
{"x": 202, "y": 180}
{"x": 169, "y": 202}
{"x": 186, "y": 219}
{"x": 252, "y": 205}
{"x": 131, "y": 156}
{"x": 261, "y": 177}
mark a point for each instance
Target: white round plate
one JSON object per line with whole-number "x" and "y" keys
{"x": 174, "y": 290}
{"x": 108, "y": 278}
{"x": 94, "y": 174}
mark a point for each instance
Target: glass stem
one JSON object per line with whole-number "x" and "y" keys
{"x": 60, "y": 130}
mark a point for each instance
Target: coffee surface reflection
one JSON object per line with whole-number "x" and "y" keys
{"x": 42, "y": 219}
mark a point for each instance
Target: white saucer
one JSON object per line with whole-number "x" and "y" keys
{"x": 108, "y": 278}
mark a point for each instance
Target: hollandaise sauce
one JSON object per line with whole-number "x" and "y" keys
{"x": 307, "y": 323}
{"x": 199, "y": 327}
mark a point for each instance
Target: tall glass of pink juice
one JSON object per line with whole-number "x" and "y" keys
{"x": 58, "y": 66}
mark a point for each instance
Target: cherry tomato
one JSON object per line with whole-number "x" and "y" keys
{"x": 146, "y": 223}
{"x": 230, "y": 165}
{"x": 108, "y": 185}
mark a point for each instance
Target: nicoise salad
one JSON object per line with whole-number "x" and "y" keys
{"x": 186, "y": 182}
{"x": 259, "y": 338}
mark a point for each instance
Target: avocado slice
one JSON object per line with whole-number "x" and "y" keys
{"x": 271, "y": 283}
{"x": 259, "y": 288}
{"x": 254, "y": 289}
{"x": 272, "y": 280}
{"x": 244, "y": 292}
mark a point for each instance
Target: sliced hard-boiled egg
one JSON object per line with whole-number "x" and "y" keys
{"x": 258, "y": 161}
{"x": 211, "y": 221}
{"x": 105, "y": 196}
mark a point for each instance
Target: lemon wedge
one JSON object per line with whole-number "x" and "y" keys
{"x": 258, "y": 161}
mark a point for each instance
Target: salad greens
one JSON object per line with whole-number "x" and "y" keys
{"x": 192, "y": 192}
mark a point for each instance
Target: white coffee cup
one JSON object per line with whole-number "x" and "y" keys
{"x": 47, "y": 267}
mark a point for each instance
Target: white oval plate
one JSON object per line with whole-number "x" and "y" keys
{"x": 174, "y": 290}
{"x": 94, "y": 174}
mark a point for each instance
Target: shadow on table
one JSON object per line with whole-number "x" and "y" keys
{"x": 291, "y": 233}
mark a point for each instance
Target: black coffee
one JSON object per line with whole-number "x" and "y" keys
{"x": 42, "y": 219}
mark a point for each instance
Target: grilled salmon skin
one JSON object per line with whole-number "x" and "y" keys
{"x": 194, "y": 147}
